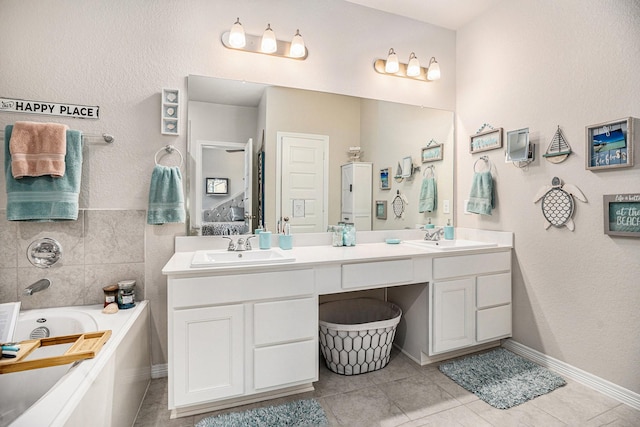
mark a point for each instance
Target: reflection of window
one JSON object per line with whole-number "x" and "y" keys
{"x": 217, "y": 186}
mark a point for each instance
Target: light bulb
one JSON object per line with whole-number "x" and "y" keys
{"x": 391, "y": 66}
{"x": 413, "y": 68}
{"x": 434, "y": 69}
{"x": 269, "y": 43}
{"x": 236, "y": 35}
{"x": 297, "y": 46}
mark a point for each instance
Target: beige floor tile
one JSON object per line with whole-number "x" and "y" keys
{"x": 574, "y": 404}
{"x": 331, "y": 383}
{"x": 418, "y": 396}
{"x": 460, "y": 416}
{"x": 523, "y": 415}
{"x": 450, "y": 386}
{"x": 620, "y": 416}
{"x": 368, "y": 407}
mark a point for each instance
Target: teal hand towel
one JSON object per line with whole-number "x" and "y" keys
{"x": 428, "y": 195}
{"x": 166, "y": 199}
{"x": 45, "y": 198}
{"x": 481, "y": 200}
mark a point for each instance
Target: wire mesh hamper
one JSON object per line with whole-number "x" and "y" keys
{"x": 356, "y": 334}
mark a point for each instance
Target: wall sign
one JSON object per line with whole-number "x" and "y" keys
{"x": 622, "y": 214}
{"x": 49, "y": 108}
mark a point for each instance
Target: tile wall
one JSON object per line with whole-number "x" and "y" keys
{"x": 100, "y": 248}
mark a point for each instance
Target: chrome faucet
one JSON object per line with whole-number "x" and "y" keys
{"x": 239, "y": 245}
{"x": 38, "y": 286}
{"x": 434, "y": 234}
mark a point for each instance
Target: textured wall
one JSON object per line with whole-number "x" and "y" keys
{"x": 119, "y": 54}
{"x": 540, "y": 64}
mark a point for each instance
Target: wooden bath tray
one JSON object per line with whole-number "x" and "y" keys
{"x": 85, "y": 346}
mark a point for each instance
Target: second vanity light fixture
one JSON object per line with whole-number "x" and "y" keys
{"x": 267, "y": 44}
{"x": 411, "y": 70}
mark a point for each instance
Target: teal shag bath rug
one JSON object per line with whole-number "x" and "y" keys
{"x": 301, "y": 413}
{"x": 502, "y": 378}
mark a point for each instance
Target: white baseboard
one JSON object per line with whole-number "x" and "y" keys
{"x": 601, "y": 385}
{"x": 159, "y": 371}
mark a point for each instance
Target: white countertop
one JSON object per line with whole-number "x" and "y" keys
{"x": 306, "y": 253}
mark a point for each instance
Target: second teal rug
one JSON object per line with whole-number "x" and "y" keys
{"x": 502, "y": 378}
{"x": 301, "y": 413}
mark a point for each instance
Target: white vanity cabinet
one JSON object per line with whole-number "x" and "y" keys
{"x": 470, "y": 300}
{"x": 356, "y": 204}
{"x": 232, "y": 337}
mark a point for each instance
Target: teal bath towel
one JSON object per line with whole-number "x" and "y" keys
{"x": 481, "y": 200}
{"x": 166, "y": 199}
{"x": 45, "y": 198}
{"x": 428, "y": 195}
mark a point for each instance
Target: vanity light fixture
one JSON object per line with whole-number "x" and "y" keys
{"x": 236, "y": 35}
{"x": 392, "y": 65}
{"x": 267, "y": 43}
{"x": 412, "y": 70}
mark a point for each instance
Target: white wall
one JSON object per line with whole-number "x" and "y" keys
{"x": 119, "y": 54}
{"x": 540, "y": 64}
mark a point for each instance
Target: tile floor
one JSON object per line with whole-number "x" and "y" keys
{"x": 406, "y": 394}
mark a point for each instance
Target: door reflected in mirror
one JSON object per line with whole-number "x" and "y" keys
{"x": 227, "y": 110}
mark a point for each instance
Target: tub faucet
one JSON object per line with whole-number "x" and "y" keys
{"x": 434, "y": 234}
{"x": 38, "y": 286}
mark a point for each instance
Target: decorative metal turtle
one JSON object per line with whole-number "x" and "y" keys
{"x": 557, "y": 203}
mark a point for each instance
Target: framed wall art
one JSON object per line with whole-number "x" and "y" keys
{"x": 385, "y": 183}
{"x": 622, "y": 214}
{"x": 217, "y": 186}
{"x": 486, "y": 140}
{"x": 432, "y": 152}
{"x": 609, "y": 145}
{"x": 381, "y": 209}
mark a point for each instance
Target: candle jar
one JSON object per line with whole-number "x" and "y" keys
{"x": 126, "y": 294}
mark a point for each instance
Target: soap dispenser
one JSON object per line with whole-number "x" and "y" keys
{"x": 448, "y": 231}
{"x": 429, "y": 224}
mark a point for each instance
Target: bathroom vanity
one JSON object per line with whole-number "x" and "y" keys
{"x": 240, "y": 333}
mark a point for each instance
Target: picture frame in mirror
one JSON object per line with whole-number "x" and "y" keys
{"x": 217, "y": 186}
{"x": 381, "y": 209}
{"x": 385, "y": 182}
{"x": 432, "y": 152}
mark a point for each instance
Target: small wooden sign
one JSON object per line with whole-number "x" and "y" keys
{"x": 622, "y": 214}
{"x": 49, "y": 108}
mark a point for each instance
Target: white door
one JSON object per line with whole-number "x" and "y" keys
{"x": 302, "y": 181}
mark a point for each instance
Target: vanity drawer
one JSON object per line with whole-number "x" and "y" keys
{"x": 279, "y": 365}
{"x": 201, "y": 291}
{"x": 371, "y": 274}
{"x": 493, "y": 323}
{"x": 467, "y": 265}
{"x": 492, "y": 290}
{"x": 281, "y": 321}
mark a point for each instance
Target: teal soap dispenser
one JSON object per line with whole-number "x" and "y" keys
{"x": 448, "y": 231}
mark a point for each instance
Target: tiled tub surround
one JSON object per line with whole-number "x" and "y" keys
{"x": 100, "y": 248}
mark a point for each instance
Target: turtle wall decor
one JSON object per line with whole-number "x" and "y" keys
{"x": 558, "y": 204}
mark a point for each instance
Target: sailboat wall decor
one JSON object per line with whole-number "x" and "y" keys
{"x": 559, "y": 149}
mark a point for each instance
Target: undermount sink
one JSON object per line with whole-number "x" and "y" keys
{"x": 224, "y": 258}
{"x": 450, "y": 245}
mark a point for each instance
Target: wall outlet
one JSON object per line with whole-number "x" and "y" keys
{"x": 445, "y": 206}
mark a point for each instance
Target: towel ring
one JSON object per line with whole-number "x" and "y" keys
{"x": 429, "y": 172}
{"x": 169, "y": 149}
{"x": 487, "y": 163}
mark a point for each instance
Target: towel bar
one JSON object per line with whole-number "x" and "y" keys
{"x": 87, "y": 137}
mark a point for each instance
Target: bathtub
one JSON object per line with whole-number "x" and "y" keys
{"x": 104, "y": 391}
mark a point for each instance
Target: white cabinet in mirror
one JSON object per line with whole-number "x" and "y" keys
{"x": 227, "y": 110}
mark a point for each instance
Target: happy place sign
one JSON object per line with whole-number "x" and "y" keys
{"x": 49, "y": 108}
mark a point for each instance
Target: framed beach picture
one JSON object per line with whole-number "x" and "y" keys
{"x": 486, "y": 140}
{"x": 609, "y": 145}
{"x": 381, "y": 209}
{"x": 217, "y": 186}
{"x": 385, "y": 184}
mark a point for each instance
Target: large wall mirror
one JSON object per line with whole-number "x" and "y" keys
{"x": 301, "y": 138}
